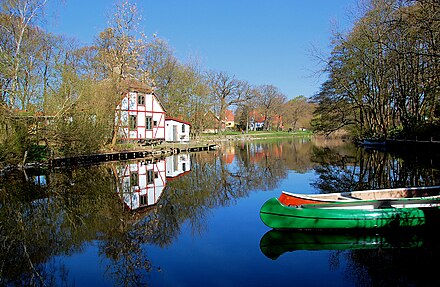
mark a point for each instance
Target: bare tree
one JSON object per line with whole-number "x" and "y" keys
{"x": 298, "y": 113}
{"x": 270, "y": 102}
{"x": 247, "y": 105}
{"x": 121, "y": 50}
{"x": 226, "y": 91}
{"x": 383, "y": 75}
{"x": 21, "y": 14}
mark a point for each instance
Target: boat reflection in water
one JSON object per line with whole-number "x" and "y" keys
{"x": 277, "y": 242}
{"x": 142, "y": 183}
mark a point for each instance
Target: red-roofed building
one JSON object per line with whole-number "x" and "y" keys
{"x": 140, "y": 115}
{"x": 176, "y": 130}
{"x": 256, "y": 121}
{"x": 229, "y": 120}
{"x": 212, "y": 121}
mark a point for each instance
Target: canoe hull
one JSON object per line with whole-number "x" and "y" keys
{"x": 278, "y": 216}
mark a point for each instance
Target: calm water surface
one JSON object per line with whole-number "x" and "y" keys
{"x": 193, "y": 220}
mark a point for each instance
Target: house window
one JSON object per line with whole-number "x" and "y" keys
{"x": 141, "y": 100}
{"x": 148, "y": 123}
{"x": 154, "y": 123}
{"x": 183, "y": 128}
{"x": 143, "y": 200}
{"x": 151, "y": 176}
{"x": 134, "y": 179}
{"x": 133, "y": 122}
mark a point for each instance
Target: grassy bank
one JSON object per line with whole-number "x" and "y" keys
{"x": 251, "y": 135}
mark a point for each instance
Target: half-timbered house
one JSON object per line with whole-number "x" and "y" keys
{"x": 140, "y": 116}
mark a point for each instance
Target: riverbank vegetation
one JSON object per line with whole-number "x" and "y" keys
{"x": 384, "y": 74}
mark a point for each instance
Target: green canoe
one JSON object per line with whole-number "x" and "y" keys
{"x": 359, "y": 215}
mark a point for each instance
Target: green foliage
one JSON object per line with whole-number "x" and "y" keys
{"x": 384, "y": 73}
{"x": 14, "y": 143}
{"x": 426, "y": 132}
{"x": 37, "y": 153}
{"x": 333, "y": 111}
{"x": 79, "y": 133}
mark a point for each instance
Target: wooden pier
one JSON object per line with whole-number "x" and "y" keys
{"x": 126, "y": 155}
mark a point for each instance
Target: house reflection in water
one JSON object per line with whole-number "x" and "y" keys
{"x": 177, "y": 165}
{"x": 143, "y": 182}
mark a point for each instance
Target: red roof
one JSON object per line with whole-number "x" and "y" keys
{"x": 229, "y": 116}
{"x": 177, "y": 120}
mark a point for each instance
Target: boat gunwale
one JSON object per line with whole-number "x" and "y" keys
{"x": 350, "y": 195}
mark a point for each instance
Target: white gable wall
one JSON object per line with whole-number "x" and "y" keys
{"x": 176, "y": 131}
{"x": 150, "y": 108}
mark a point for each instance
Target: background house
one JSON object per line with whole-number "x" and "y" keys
{"x": 229, "y": 120}
{"x": 177, "y": 130}
{"x": 213, "y": 122}
{"x": 140, "y": 116}
{"x": 256, "y": 121}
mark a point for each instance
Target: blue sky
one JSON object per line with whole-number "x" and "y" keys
{"x": 262, "y": 42}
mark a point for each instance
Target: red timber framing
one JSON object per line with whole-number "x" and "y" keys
{"x": 142, "y": 183}
{"x": 140, "y": 115}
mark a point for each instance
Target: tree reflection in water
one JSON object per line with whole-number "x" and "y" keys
{"x": 40, "y": 221}
{"x": 344, "y": 168}
{"x": 49, "y": 213}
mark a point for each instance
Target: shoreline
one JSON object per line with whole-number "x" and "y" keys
{"x": 137, "y": 151}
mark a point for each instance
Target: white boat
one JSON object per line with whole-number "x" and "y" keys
{"x": 425, "y": 192}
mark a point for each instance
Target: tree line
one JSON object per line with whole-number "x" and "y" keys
{"x": 47, "y": 78}
{"x": 383, "y": 81}
{"x": 384, "y": 74}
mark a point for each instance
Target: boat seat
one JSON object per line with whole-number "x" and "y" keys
{"x": 344, "y": 197}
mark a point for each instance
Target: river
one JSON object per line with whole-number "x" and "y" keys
{"x": 193, "y": 220}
